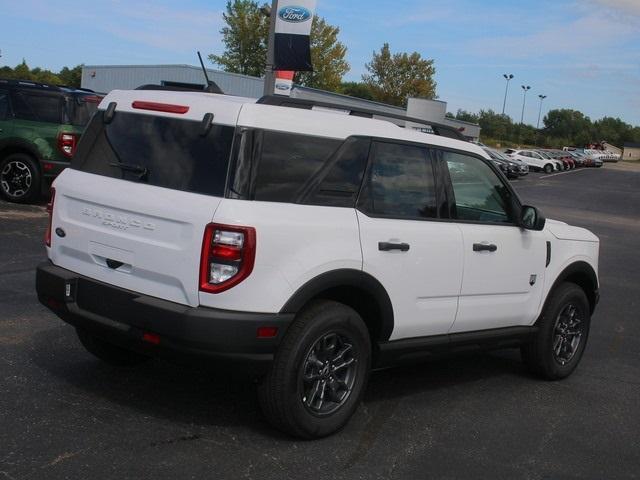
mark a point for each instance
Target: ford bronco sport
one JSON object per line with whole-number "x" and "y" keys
{"x": 40, "y": 126}
{"x": 305, "y": 246}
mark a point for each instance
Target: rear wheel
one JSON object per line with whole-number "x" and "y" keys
{"x": 563, "y": 329}
{"x": 19, "y": 178}
{"x": 320, "y": 372}
{"x": 109, "y": 353}
{"x": 548, "y": 168}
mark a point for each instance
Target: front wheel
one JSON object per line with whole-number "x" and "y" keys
{"x": 19, "y": 178}
{"x": 319, "y": 373}
{"x": 548, "y": 168}
{"x": 563, "y": 328}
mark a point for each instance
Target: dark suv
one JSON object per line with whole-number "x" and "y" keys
{"x": 39, "y": 129}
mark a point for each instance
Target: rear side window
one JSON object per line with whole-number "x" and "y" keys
{"x": 37, "y": 108}
{"x": 287, "y": 162}
{"x": 164, "y": 152}
{"x": 401, "y": 183}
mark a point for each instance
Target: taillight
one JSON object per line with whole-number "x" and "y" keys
{"x": 67, "y": 143}
{"x": 228, "y": 255}
{"x": 47, "y": 235}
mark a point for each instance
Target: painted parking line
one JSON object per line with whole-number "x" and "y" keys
{"x": 568, "y": 171}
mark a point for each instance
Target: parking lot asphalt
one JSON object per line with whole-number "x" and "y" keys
{"x": 63, "y": 414}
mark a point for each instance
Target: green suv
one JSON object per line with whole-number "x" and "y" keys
{"x": 39, "y": 129}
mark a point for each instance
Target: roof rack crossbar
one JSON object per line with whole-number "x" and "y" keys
{"x": 437, "y": 128}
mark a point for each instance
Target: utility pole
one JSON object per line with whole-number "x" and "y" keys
{"x": 541, "y": 97}
{"x": 269, "y": 74}
{"x": 508, "y": 77}
{"x": 524, "y": 100}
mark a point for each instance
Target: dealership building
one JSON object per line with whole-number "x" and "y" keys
{"x": 104, "y": 78}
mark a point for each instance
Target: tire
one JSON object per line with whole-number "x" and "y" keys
{"x": 555, "y": 328}
{"x": 19, "y": 178}
{"x": 296, "y": 406}
{"x": 548, "y": 168}
{"x": 109, "y": 353}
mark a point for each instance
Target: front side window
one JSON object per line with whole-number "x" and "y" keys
{"x": 401, "y": 183}
{"x": 480, "y": 195}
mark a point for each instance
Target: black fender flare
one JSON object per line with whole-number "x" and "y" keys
{"x": 581, "y": 268}
{"x": 14, "y": 143}
{"x": 346, "y": 277}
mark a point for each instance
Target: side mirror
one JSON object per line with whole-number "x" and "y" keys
{"x": 531, "y": 218}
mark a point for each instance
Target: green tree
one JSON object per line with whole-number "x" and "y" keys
{"x": 465, "y": 116}
{"x": 356, "y": 89}
{"x": 395, "y": 77}
{"x": 245, "y": 39}
{"x": 327, "y": 57}
{"x": 71, "y": 76}
{"x": 568, "y": 124}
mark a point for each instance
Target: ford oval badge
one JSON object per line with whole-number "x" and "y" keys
{"x": 294, "y": 14}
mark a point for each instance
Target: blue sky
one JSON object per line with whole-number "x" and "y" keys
{"x": 581, "y": 54}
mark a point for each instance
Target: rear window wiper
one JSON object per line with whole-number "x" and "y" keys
{"x": 142, "y": 172}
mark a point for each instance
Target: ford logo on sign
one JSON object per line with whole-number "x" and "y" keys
{"x": 294, "y": 14}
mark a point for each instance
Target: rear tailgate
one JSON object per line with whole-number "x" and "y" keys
{"x": 133, "y": 208}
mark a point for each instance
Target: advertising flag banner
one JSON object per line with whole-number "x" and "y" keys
{"x": 292, "y": 50}
{"x": 284, "y": 82}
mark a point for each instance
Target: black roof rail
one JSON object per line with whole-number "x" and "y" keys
{"x": 437, "y": 128}
{"x": 28, "y": 83}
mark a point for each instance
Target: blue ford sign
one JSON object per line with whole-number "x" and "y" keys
{"x": 294, "y": 14}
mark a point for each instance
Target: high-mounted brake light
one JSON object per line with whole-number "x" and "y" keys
{"x": 47, "y": 234}
{"x": 160, "y": 107}
{"x": 228, "y": 255}
{"x": 67, "y": 143}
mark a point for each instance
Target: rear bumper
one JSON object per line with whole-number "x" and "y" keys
{"x": 122, "y": 317}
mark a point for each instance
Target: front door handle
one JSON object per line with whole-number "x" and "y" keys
{"x": 484, "y": 247}
{"x": 387, "y": 246}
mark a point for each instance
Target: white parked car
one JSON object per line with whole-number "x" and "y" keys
{"x": 304, "y": 245}
{"x": 536, "y": 160}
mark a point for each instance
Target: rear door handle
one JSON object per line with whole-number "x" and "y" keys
{"x": 386, "y": 246}
{"x": 484, "y": 247}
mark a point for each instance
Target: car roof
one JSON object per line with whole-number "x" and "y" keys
{"x": 243, "y": 111}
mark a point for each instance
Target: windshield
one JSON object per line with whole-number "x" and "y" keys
{"x": 545, "y": 155}
{"x": 160, "y": 151}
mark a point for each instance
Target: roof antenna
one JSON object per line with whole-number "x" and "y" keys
{"x": 211, "y": 86}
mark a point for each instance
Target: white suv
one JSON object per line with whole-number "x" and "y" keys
{"x": 305, "y": 246}
{"x": 536, "y": 160}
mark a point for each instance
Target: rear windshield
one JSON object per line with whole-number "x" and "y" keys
{"x": 159, "y": 151}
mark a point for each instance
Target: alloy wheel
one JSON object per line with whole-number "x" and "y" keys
{"x": 567, "y": 334}
{"x": 328, "y": 374}
{"x": 16, "y": 179}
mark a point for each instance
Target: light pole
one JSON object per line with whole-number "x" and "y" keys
{"x": 524, "y": 100}
{"x": 541, "y": 97}
{"x": 508, "y": 77}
